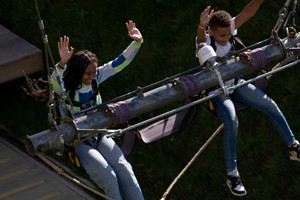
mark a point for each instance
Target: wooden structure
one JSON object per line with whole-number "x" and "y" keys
{"x": 25, "y": 177}
{"x": 17, "y": 56}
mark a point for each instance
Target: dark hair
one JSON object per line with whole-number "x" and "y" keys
{"x": 220, "y": 18}
{"x": 76, "y": 67}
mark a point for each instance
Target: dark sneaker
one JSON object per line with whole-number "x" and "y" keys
{"x": 235, "y": 185}
{"x": 294, "y": 152}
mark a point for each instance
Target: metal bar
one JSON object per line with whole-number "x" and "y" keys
{"x": 196, "y": 102}
{"x": 155, "y": 99}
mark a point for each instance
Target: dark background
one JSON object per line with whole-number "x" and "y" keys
{"x": 168, "y": 28}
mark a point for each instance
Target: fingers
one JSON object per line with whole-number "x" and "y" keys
{"x": 206, "y": 15}
{"x": 63, "y": 42}
{"x": 207, "y": 11}
{"x": 130, "y": 25}
{"x": 71, "y": 50}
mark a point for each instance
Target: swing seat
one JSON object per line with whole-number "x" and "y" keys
{"x": 160, "y": 129}
{"x": 175, "y": 123}
{"x": 171, "y": 125}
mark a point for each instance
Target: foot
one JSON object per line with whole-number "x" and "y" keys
{"x": 294, "y": 152}
{"x": 235, "y": 185}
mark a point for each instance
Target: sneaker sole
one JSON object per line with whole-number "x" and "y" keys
{"x": 293, "y": 158}
{"x": 234, "y": 193}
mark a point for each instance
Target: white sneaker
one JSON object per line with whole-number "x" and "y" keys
{"x": 235, "y": 185}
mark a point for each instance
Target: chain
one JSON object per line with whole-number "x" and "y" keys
{"x": 284, "y": 18}
{"x": 63, "y": 98}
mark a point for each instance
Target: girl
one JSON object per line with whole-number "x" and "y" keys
{"x": 100, "y": 156}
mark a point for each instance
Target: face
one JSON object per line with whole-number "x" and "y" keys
{"x": 89, "y": 74}
{"x": 221, "y": 34}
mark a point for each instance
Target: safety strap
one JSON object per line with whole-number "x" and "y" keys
{"x": 91, "y": 100}
{"x": 233, "y": 39}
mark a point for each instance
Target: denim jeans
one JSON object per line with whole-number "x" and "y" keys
{"x": 108, "y": 168}
{"x": 255, "y": 98}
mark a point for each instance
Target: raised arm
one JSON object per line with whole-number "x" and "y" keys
{"x": 134, "y": 32}
{"x": 65, "y": 52}
{"x": 248, "y": 12}
{"x": 204, "y": 19}
{"x": 124, "y": 59}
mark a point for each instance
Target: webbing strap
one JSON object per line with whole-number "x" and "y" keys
{"x": 256, "y": 57}
{"x": 190, "y": 85}
{"x": 119, "y": 111}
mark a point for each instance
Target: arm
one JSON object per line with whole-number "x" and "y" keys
{"x": 65, "y": 53}
{"x": 124, "y": 59}
{"x": 248, "y": 12}
{"x": 134, "y": 32}
{"x": 204, "y": 19}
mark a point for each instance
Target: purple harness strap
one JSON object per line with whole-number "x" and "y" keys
{"x": 189, "y": 85}
{"x": 119, "y": 111}
{"x": 256, "y": 57}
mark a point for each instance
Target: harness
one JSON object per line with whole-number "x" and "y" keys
{"x": 234, "y": 39}
{"x": 71, "y": 156}
{"x": 220, "y": 59}
{"x": 90, "y": 102}
{"x": 261, "y": 83}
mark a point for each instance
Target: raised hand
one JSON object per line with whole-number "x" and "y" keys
{"x": 133, "y": 31}
{"x": 65, "y": 52}
{"x": 205, "y": 16}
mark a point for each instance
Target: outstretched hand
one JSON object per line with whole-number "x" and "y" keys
{"x": 133, "y": 31}
{"x": 205, "y": 16}
{"x": 65, "y": 52}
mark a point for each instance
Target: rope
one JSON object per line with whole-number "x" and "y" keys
{"x": 191, "y": 161}
{"x": 221, "y": 126}
{"x": 73, "y": 179}
{"x": 52, "y": 115}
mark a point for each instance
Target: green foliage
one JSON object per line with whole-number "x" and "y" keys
{"x": 169, "y": 28}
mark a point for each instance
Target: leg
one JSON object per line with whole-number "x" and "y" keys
{"x": 99, "y": 170}
{"x": 225, "y": 110}
{"x": 256, "y": 98}
{"x": 226, "y": 113}
{"x": 115, "y": 158}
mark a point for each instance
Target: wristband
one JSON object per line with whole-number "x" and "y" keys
{"x": 201, "y": 27}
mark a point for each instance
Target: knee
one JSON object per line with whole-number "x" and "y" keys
{"x": 105, "y": 179}
{"x": 236, "y": 123}
{"x": 231, "y": 122}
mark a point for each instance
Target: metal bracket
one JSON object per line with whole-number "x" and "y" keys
{"x": 220, "y": 80}
{"x": 85, "y": 134}
{"x": 139, "y": 92}
{"x": 207, "y": 57}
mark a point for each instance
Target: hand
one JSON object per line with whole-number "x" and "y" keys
{"x": 133, "y": 32}
{"x": 205, "y": 16}
{"x": 65, "y": 52}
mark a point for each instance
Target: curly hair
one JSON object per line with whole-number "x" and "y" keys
{"x": 76, "y": 67}
{"x": 220, "y": 18}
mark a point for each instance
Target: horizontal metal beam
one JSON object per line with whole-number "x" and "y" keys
{"x": 174, "y": 91}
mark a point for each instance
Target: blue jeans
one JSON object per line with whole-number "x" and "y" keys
{"x": 255, "y": 98}
{"x": 106, "y": 165}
